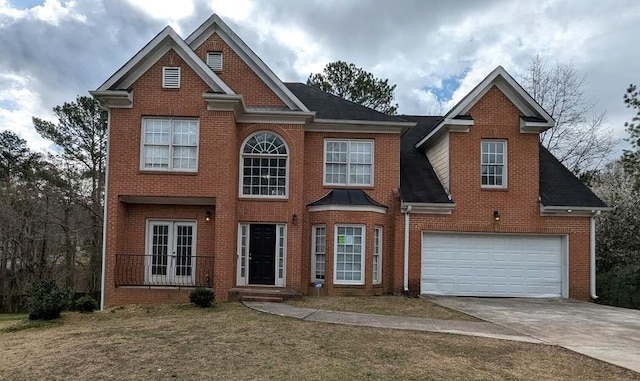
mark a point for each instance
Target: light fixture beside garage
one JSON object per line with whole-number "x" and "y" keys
{"x": 496, "y": 215}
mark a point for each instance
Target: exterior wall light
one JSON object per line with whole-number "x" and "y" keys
{"x": 295, "y": 219}
{"x": 207, "y": 215}
{"x": 496, "y": 215}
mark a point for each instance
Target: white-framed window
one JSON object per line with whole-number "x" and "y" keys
{"x": 169, "y": 144}
{"x": 264, "y": 166}
{"x": 349, "y": 255}
{"x": 493, "y": 164}
{"x": 170, "y": 257}
{"x": 348, "y": 162}
{"x": 171, "y": 77}
{"x": 377, "y": 255}
{"x": 214, "y": 61}
{"x": 318, "y": 253}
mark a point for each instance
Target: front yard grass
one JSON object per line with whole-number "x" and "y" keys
{"x": 232, "y": 342}
{"x": 382, "y": 305}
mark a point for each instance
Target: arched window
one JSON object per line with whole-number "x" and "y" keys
{"x": 264, "y": 165}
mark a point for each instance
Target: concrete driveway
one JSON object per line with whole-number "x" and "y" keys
{"x": 606, "y": 333}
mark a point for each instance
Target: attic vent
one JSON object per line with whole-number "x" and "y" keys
{"x": 171, "y": 77}
{"x": 214, "y": 60}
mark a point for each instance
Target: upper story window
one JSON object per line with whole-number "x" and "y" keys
{"x": 171, "y": 77}
{"x": 493, "y": 164}
{"x": 348, "y": 162}
{"x": 264, "y": 166}
{"x": 169, "y": 144}
{"x": 214, "y": 60}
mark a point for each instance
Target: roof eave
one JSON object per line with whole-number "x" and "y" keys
{"x": 427, "y": 207}
{"x": 358, "y": 126}
{"x": 575, "y": 211}
{"x": 114, "y": 98}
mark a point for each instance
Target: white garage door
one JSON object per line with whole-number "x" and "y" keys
{"x": 491, "y": 265}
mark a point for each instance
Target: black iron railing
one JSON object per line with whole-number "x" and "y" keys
{"x": 164, "y": 270}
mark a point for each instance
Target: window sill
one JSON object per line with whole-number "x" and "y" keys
{"x": 263, "y": 198}
{"x": 180, "y": 173}
{"x": 349, "y": 286}
{"x": 330, "y": 186}
{"x": 494, "y": 189}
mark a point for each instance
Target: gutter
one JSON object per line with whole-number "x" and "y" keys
{"x": 592, "y": 255}
{"x": 406, "y": 248}
{"x": 104, "y": 216}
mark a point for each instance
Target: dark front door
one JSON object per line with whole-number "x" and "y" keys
{"x": 262, "y": 254}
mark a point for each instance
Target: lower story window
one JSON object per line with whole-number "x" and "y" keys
{"x": 377, "y": 255}
{"x": 170, "y": 253}
{"x": 318, "y": 260}
{"x": 349, "y": 255}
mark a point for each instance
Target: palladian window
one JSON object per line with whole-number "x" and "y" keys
{"x": 264, "y": 166}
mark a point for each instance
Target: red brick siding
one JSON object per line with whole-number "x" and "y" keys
{"x": 495, "y": 117}
{"x": 237, "y": 75}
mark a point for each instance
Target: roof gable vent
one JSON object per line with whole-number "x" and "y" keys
{"x": 171, "y": 77}
{"x": 214, "y": 60}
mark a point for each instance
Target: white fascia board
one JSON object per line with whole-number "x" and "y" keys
{"x": 529, "y": 127}
{"x": 143, "y": 60}
{"x": 348, "y": 208}
{"x": 577, "y": 211}
{"x": 358, "y": 126}
{"x": 113, "y": 98}
{"x": 428, "y": 208}
{"x": 505, "y": 82}
{"x": 165, "y": 200}
{"x": 448, "y": 124}
{"x": 215, "y": 25}
{"x": 235, "y": 103}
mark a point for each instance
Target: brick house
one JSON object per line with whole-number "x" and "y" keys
{"x": 220, "y": 175}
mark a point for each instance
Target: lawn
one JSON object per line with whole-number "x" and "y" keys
{"x": 383, "y": 305}
{"x": 232, "y": 342}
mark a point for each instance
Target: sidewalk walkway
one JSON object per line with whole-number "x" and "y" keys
{"x": 469, "y": 328}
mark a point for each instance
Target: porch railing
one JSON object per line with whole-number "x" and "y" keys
{"x": 154, "y": 270}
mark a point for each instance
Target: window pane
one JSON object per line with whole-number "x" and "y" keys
{"x": 265, "y": 168}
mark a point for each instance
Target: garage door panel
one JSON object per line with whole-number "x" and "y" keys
{"x": 491, "y": 265}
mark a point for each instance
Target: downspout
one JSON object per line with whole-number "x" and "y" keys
{"x": 104, "y": 215}
{"x": 406, "y": 248}
{"x": 592, "y": 254}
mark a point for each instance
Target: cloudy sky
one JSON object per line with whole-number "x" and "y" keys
{"x": 435, "y": 51}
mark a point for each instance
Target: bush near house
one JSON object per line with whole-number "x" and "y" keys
{"x": 620, "y": 287}
{"x": 202, "y": 297}
{"x": 86, "y": 304}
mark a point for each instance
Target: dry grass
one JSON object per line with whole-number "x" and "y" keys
{"x": 383, "y": 305}
{"x": 231, "y": 342}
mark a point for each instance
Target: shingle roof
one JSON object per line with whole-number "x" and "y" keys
{"x": 559, "y": 187}
{"x": 347, "y": 197}
{"x": 329, "y": 106}
{"x": 418, "y": 180}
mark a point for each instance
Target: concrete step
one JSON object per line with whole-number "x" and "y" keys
{"x": 261, "y": 298}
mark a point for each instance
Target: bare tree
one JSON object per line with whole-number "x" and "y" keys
{"x": 581, "y": 138}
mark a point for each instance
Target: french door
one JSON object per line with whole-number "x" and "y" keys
{"x": 171, "y": 250}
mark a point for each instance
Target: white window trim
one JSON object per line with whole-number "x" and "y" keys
{"x": 170, "y": 167}
{"x": 348, "y": 141}
{"x": 505, "y": 170}
{"x": 215, "y": 69}
{"x": 165, "y": 85}
{"x": 314, "y": 253}
{"x": 147, "y": 250}
{"x": 362, "y": 259}
{"x": 243, "y": 257}
{"x": 379, "y": 248}
{"x": 241, "y": 170}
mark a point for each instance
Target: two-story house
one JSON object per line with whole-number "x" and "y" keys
{"x": 221, "y": 175}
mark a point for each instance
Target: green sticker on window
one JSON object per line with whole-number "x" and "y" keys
{"x": 341, "y": 240}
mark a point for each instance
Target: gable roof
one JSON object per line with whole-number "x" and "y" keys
{"x": 214, "y": 24}
{"x": 156, "y": 48}
{"x": 329, "y": 106}
{"x": 534, "y": 117}
{"x": 425, "y": 187}
{"x": 559, "y": 187}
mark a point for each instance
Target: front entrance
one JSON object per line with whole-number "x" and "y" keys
{"x": 262, "y": 254}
